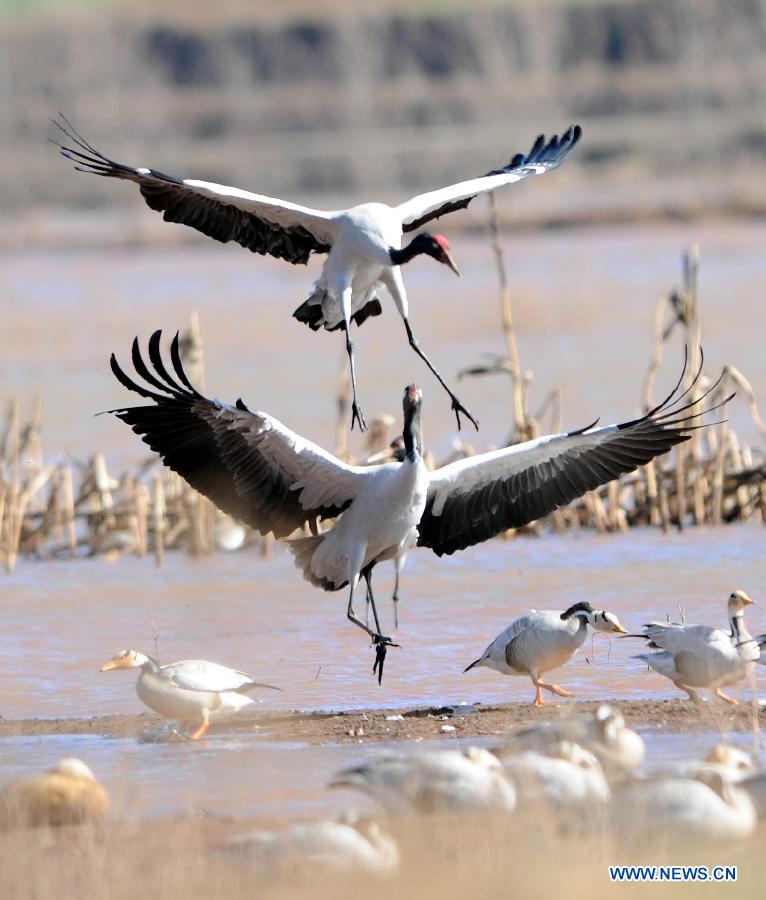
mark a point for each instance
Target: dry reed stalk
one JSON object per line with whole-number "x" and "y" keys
{"x": 192, "y": 352}
{"x": 520, "y": 418}
{"x": 158, "y": 519}
{"x": 102, "y": 484}
{"x": 613, "y": 505}
{"x": 716, "y": 513}
{"x": 597, "y": 511}
{"x": 67, "y": 507}
{"x": 753, "y": 494}
{"x": 19, "y": 510}
{"x": 141, "y": 505}
{"x": 662, "y": 493}
{"x": 656, "y": 360}
{"x": 558, "y": 521}
{"x": 742, "y": 492}
{"x": 343, "y": 401}
{"x": 10, "y": 444}
{"x": 267, "y": 546}
{"x": 694, "y": 328}
{"x": 652, "y": 494}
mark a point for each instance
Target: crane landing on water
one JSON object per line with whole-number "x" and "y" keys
{"x": 255, "y": 469}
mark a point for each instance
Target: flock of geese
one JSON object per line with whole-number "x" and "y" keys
{"x": 587, "y": 771}
{"x": 582, "y": 776}
{"x": 692, "y": 656}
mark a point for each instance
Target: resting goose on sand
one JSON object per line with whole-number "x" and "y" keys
{"x": 568, "y": 780}
{"x": 618, "y": 748}
{"x": 543, "y": 641}
{"x": 317, "y": 848}
{"x": 708, "y": 808}
{"x": 189, "y": 690}
{"x": 433, "y": 781}
{"x": 699, "y": 656}
{"x": 733, "y": 762}
{"x": 66, "y": 795}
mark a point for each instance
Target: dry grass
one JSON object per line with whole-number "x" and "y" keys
{"x": 442, "y": 857}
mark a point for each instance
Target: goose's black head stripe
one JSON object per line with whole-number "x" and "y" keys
{"x": 582, "y": 606}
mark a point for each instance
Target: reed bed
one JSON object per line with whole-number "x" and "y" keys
{"x": 74, "y": 509}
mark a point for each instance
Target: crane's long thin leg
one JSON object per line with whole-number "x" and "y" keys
{"x": 457, "y": 406}
{"x": 398, "y": 562}
{"x": 356, "y": 411}
{"x": 380, "y": 641}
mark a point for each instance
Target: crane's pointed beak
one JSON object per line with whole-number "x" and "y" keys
{"x": 449, "y": 261}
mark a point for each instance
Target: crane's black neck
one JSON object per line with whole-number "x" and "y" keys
{"x": 416, "y": 247}
{"x": 413, "y": 442}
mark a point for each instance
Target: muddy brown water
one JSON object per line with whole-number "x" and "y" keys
{"x": 584, "y": 304}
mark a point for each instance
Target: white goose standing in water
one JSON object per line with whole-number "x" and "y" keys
{"x": 363, "y": 243}
{"x": 258, "y": 471}
{"x": 543, "y": 641}
{"x": 698, "y": 656}
{"x": 188, "y": 690}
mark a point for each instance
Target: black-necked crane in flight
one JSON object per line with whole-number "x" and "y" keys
{"x": 363, "y": 243}
{"x": 255, "y": 469}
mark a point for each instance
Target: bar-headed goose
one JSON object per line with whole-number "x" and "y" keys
{"x": 433, "y": 781}
{"x": 732, "y": 761}
{"x": 699, "y": 656}
{"x": 543, "y": 641}
{"x": 708, "y": 808}
{"x": 317, "y": 848}
{"x": 567, "y": 780}
{"x": 188, "y": 690}
{"x": 619, "y": 749}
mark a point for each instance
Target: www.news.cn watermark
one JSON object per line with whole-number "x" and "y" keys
{"x": 673, "y": 873}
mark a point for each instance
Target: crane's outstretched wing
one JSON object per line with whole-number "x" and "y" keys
{"x": 264, "y": 225}
{"x": 476, "y": 498}
{"x": 541, "y": 159}
{"x": 248, "y": 463}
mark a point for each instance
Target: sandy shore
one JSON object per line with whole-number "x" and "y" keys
{"x": 411, "y": 723}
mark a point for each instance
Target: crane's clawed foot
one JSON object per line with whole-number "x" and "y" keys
{"x": 381, "y": 645}
{"x": 458, "y": 408}
{"x": 357, "y": 416}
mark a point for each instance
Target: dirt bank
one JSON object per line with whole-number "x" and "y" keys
{"x": 410, "y": 724}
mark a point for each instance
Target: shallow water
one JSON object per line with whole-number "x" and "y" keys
{"x": 260, "y": 778}
{"x": 62, "y": 620}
